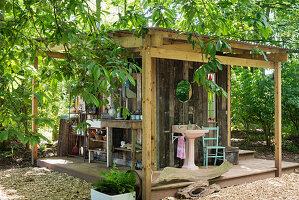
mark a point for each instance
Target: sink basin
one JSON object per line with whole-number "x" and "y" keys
{"x": 193, "y": 133}
{"x": 190, "y": 135}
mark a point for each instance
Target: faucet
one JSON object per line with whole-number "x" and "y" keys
{"x": 179, "y": 125}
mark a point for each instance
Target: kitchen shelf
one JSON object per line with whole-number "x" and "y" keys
{"x": 95, "y": 140}
{"x": 124, "y": 149}
{"x": 98, "y": 150}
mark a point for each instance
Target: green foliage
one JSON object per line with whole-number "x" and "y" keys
{"x": 95, "y": 65}
{"x": 246, "y": 20}
{"x": 290, "y": 145}
{"x": 116, "y": 182}
{"x": 253, "y": 100}
{"x": 7, "y": 154}
{"x": 290, "y": 96}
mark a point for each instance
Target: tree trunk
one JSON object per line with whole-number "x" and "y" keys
{"x": 4, "y": 145}
{"x": 268, "y": 135}
{"x": 2, "y": 11}
{"x": 98, "y": 13}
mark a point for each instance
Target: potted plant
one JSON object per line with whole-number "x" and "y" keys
{"x": 115, "y": 185}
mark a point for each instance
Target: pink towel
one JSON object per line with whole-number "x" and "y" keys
{"x": 181, "y": 147}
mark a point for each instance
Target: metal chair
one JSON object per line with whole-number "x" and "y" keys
{"x": 207, "y": 149}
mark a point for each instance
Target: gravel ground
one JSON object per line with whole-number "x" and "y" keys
{"x": 41, "y": 183}
{"x": 286, "y": 187}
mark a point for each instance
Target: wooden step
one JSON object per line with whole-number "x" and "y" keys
{"x": 246, "y": 154}
{"x": 247, "y": 171}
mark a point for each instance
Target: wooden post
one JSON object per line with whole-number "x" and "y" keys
{"x": 147, "y": 100}
{"x": 133, "y": 153}
{"x": 277, "y": 94}
{"x": 139, "y": 92}
{"x": 154, "y": 113}
{"x": 34, "y": 113}
{"x": 228, "y": 105}
{"x": 109, "y": 146}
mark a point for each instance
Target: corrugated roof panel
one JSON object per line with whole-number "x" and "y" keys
{"x": 208, "y": 36}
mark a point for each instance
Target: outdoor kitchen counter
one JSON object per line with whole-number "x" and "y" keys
{"x": 128, "y": 124}
{"x": 134, "y": 125}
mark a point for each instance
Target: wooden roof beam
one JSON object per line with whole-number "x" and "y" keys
{"x": 274, "y": 57}
{"x": 235, "y": 45}
{"x": 197, "y": 57}
{"x": 128, "y": 42}
{"x": 184, "y": 46}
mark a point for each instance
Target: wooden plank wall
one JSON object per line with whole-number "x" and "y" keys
{"x": 221, "y": 78}
{"x": 170, "y": 111}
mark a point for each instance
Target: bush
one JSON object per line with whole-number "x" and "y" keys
{"x": 116, "y": 182}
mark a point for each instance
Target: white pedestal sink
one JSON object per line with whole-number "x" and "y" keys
{"x": 190, "y": 134}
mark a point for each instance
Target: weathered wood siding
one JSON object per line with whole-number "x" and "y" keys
{"x": 170, "y": 111}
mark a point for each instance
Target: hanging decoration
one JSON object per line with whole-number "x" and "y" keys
{"x": 211, "y": 101}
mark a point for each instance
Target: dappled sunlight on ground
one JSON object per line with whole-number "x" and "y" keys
{"x": 37, "y": 172}
{"x": 7, "y": 194}
{"x": 59, "y": 161}
{"x": 41, "y": 183}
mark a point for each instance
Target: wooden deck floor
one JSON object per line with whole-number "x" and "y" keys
{"x": 77, "y": 167}
{"x": 247, "y": 170}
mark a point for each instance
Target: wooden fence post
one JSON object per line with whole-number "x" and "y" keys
{"x": 228, "y": 105}
{"x": 34, "y": 113}
{"x": 277, "y": 95}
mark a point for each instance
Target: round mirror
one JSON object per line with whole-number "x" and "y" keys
{"x": 183, "y": 91}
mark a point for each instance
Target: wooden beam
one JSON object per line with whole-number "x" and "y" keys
{"x": 154, "y": 115}
{"x": 274, "y": 57}
{"x": 181, "y": 47}
{"x": 234, "y": 44}
{"x": 277, "y": 95}
{"x": 147, "y": 118}
{"x": 185, "y": 46}
{"x": 156, "y": 40}
{"x": 133, "y": 152}
{"x": 228, "y": 105}
{"x": 197, "y": 57}
{"x": 128, "y": 42}
{"x": 34, "y": 113}
{"x": 109, "y": 146}
{"x": 139, "y": 93}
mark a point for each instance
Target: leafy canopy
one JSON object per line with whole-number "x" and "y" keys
{"x": 94, "y": 64}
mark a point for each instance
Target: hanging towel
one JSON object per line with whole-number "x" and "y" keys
{"x": 181, "y": 147}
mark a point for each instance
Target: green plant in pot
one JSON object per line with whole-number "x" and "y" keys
{"x": 115, "y": 185}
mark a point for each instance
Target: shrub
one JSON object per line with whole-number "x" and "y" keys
{"x": 116, "y": 182}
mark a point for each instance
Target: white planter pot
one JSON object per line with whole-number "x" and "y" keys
{"x": 95, "y": 195}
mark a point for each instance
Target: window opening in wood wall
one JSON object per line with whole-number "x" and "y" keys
{"x": 211, "y": 101}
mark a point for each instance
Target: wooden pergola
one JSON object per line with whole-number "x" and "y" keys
{"x": 168, "y": 44}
